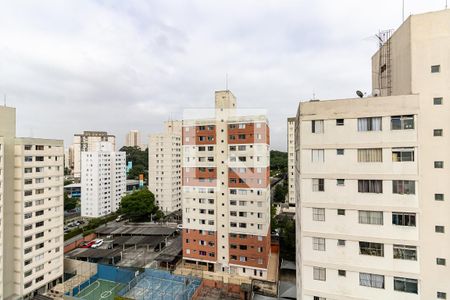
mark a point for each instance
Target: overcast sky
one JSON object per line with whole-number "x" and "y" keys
{"x": 69, "y": 66}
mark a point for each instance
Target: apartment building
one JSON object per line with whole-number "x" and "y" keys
{"x": 372, "y": 207}
{"x": 291, "y": 161}
{"x": 88, "y": 141}
{"x": 133, "y": 139}
{"x": 226, "y": 191}
{"x": 32, "y": 218}
{"x": 103, "y": 180}
{"x": 164, "y": 167}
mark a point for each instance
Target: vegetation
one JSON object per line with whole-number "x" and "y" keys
{"x": 281, "y": 190}
{"x": 140, "y": 206}
{"x": 286, "y": 229}
{"x": 278, "y": 163}
{"x": 69, "y": 203}
{"x": 139, "y": 159}
{"x": 90, "y": 227}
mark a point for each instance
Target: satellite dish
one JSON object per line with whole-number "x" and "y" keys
{"x": 360, "y": 94}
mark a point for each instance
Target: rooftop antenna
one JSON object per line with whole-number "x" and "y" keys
{"x": 446, "y": 2}
{"x": 314, "y": 95}
{"x": 226, "y": 81}
{"x": 4, "y": 100}
{"x": 403, "y": 11}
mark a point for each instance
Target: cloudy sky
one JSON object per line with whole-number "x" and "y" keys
{"x": 69, "y": 66}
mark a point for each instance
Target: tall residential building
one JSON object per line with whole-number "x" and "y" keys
{"x": 226, "y": 191}
{"x": 103, "y": 180}
{"x": 88, "y": 141}
{"x": 31, "y": 212}
{"x": 133, "y": 139}
{"x": 291, "y": 161}
{"x": 164, "y": 167}
{"x": 373, "y": 210}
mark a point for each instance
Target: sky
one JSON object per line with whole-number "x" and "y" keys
{"x": 69, "y": 66}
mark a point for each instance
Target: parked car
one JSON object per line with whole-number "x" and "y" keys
{"x": 97, "y": 243}
{"x": 87, "y": 244}
{"x": 119, "y": 218}
{"x": 180, "y": 226}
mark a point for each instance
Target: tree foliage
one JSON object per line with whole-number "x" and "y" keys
{"x": 286, "y": 226}
{"x": 278, "y": 162}
{"x": 139, "y": 158}
{"x": 69, "y": 203}
{"x": 140, "y": 206}
{"x": 279, "y": 195}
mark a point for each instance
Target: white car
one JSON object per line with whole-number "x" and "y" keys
{"x": 180, "y": 226}
{"x": 97, "y": 243}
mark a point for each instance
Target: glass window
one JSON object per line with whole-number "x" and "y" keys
{"x": 404, "y": 219}
{"x": 370, "y": 186}
{"x": 317, "y": 126}
{"x": 402, "y": 154}
{"x": 437, "y": 100}
{"x": 369, "y": 124}
{"x": 439, "y": 197}
{"x": 436, "y": 69}
{"x": 318, "y": 184}
{"x": 438, "y": 132}
{"x": 319, "y": 274}
{"x": 438, "y": 164}
{"x": 404, "y": 187}
{"x": 405, "y": 252}
{"x": 317, "y": 155}
{"x": 319, "y": 214}
{"x": 340, "y": 151}
{"x": 402, "y": 122}
{"x": 318, "y": 244}
{"x": 370, "y": 155}
{"x": 372, "y": 249}
{"x": 339, "y": 122}
{"x": 406, "y": 285}
{"x": 371, "y": 280}
{"x": 370, "y": 217}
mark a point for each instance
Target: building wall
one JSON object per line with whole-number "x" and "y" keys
{"x": 164, "y": 161}
{"x": 133, "y": 139}
{"x": 291, "y": 161}
{"x": 226, "y": 191}
{"x": 103, "y": 181}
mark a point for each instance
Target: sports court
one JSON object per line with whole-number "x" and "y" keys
{"x": 157, "y": 284}
{"x": 100, "y": 289}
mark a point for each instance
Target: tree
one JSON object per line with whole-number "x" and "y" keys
{"x": 69, "y": 203}
{"x": 139, "y": 206}
{"x": 278, "y": 162}
{"x": 279, "y": 195}
{"x": 139, "y": 159}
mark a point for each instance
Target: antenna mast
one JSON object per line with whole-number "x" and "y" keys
{"x": 403, "y": 11}
{"x": 226, "y": 81}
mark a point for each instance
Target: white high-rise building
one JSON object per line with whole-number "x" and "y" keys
{"x": 88, "y": 141}
{"x": 164, "y": 167}
{"x": 291, "y": 161}
{"x": 31, "y": 212}
{"x": 133, "y": 139}
{"x": 372, "y": 204}
{"x": 103, "y": 180}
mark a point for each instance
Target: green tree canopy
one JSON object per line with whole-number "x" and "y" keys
{"x": 279, "y": 195}
{"x": 139, "y": 206}
{"x": 139, "y": 158}
{"x": 69, "y": 203}
{"x": 278, "y": 162}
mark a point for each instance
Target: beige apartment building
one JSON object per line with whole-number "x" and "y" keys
{"x": 373, "y": 176}
{"x": 164, "y": 167}
{"x": 32, "y": 217}
{"x": 226, "y": 191}
{"x": 88, "y": 141}
{"x": 133, "y": 139}
{"x": 291, "y": 161}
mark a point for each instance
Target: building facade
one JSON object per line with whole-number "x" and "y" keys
{"x": 226, "y": 191}
{"x": 88, "y": 141}
{"x": 103, "y": 180}
{"x": 291, "y": 161}
{"x": 32, "y": 217}
{"x": 164, "y": 167}
{"x": 133, "y": 139}
{"x": 372, "y": 210}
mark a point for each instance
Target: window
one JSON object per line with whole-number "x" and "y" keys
{"x": 438, "y": 164}
{"x": 440, "y": 261}
{"x": 342, "y": 273}
{"x": 339, "y": 122}
{"x": 319, "y": 298}
{"x": 370, "y": 217}
{"x": 437, "y": 101}
{"x": 372, "y": 249}
{"x": 405, "y": 252}
{"x": 402, "y": 122}
{"x": 436, "y": 69}
{"x": 441, "y": 295}
{"x": 370, "y": 155}
{"x": 406, "y": 285}
{"x": 371, "y": 280}
{"x": 339, "y": 151}
{"x": 402, "y": 154}
{"x": 319, "y": 214}
{"x": 318, "y": 155}
{"x": 439, "y": 197}
{"x": 341, "y": 212}
{"x": 319, "y": 273}
{"x": 438, "y": 132}
{"x": 318, "y": 184}
{"x": 370, "y": 186}
{"x": 439, "y": 229}
{"x": 341, "y": 242}
{"x": 369, "y": 124}
{"x": 404, "y": 187}
{"x": 340, "y": 182}
{"x": 318, "y": 244}
{"x": 404, "y": 219}
{"x": 317, "y": 126}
